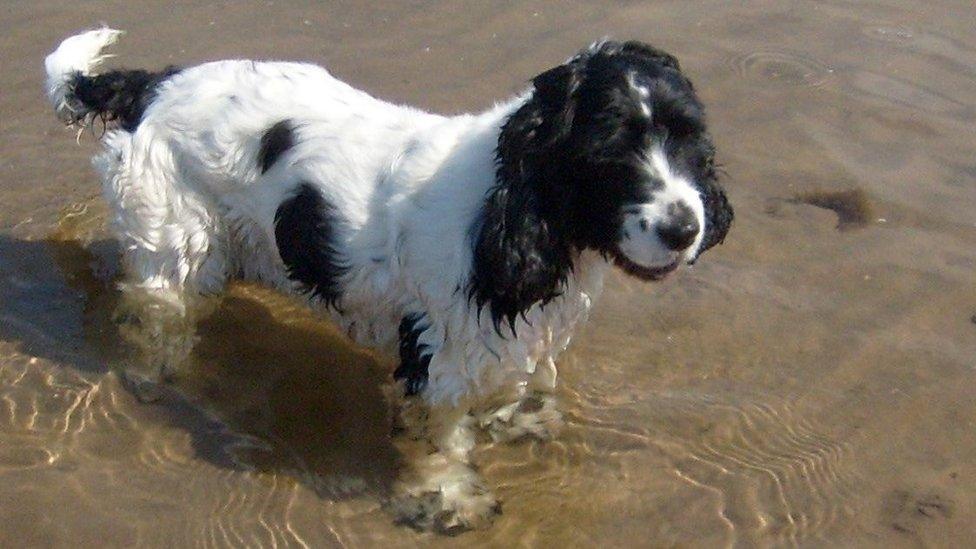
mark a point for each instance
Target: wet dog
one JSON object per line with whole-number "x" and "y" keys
{"x": 470, "y": 247}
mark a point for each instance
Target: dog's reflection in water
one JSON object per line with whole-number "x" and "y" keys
{"x": 313, "y": 403}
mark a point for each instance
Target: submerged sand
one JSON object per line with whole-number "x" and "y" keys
{"x": 811, "y": 382}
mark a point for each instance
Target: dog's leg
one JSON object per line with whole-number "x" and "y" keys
{"x": 172, "y": 254}
{"x": 439, "y": 488}
{"x": 528, "y": 410}
{"x": 534, "y": 415}
{"x": 160, "y": 332}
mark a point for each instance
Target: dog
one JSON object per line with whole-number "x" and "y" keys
{"x": 468, "y": 247}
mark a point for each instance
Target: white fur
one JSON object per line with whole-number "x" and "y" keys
{"x": 641, "y": 244}
{"x": 190, "y": 206}
{"x": 80, "y": 53}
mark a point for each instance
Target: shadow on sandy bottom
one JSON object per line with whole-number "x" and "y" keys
{"x": 269, "y": 388}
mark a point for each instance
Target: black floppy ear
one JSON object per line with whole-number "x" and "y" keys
{"x": 544, "y": 119}
{"x": 521, "y": 256}
{"x": 718, "y": 212}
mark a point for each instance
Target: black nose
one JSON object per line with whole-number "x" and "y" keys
{"x": 680, "y": 230}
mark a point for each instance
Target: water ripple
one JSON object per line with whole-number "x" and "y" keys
{"x": 783, "y": 67}
{"x": 896, "y": 34}
{"x": 904, "y": 92}
{"x": 774, "y": 473}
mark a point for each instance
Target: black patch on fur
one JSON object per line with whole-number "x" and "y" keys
{"x": 305, "y": 231}
{"x": 414, "y": 360}
{"x": 121, "y": 96}
{"x": 571, "y": 159}
{"x": 278, "y": 139}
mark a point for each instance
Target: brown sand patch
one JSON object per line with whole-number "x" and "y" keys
{"x": 852, "y": 206}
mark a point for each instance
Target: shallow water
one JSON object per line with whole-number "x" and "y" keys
{"x": 812, "y": 382}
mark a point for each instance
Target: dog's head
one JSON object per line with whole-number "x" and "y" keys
{"x": 610, "y": 152}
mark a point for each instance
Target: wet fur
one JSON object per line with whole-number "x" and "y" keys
{"x": 468, "y": 247}
{"x": 305, "y": 228}
{"x": 118, "y": 96}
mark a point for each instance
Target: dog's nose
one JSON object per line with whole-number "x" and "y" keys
{"x": 680, "y": 229}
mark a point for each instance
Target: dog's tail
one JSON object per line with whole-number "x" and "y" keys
{"x": 75, "y": 60}
{"x": 79, "y": 95}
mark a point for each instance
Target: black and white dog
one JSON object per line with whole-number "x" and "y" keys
{"x": 469, "y": 246}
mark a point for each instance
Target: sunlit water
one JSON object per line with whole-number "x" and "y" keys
{"x": 811, "y": 382}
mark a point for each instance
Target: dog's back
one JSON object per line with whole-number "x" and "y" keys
{"x": 231, "y": 167}
{"x": 201, "y": 159}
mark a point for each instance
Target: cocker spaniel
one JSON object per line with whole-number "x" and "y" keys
{"x": 469, "y": 247}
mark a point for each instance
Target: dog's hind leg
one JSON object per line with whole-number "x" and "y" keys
{"x": 172, "y": 248}
{"x": 171, "y": 235}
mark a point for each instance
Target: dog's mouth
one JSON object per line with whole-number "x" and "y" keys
{"x": 642, "y": 272}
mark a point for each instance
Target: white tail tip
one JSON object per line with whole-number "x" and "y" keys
{"x": 81, "y": 53}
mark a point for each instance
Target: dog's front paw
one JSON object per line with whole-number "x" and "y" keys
{"x": 449, "y": 511}
{"x": 535, "y": 416}
{"x": 447, "y": 497}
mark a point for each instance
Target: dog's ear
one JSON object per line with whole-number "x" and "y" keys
{"x": 719, "y": 215}
{"x": 718, "y": 212}
{"x": 552, "y": 106}
{"x": 545, "y": 118}
{"x": 521, "y": 256}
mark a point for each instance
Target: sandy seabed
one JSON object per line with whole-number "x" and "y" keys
{"x": 812, "y": 382}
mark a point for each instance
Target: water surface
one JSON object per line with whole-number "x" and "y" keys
{"x": 812, "y": 382}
